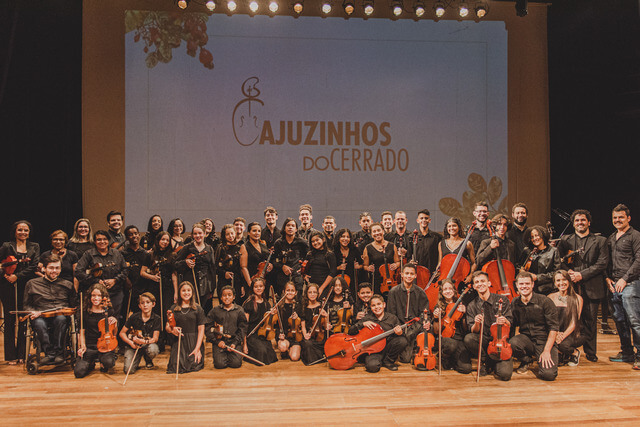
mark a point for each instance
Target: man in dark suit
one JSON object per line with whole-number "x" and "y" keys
{"x": 586, "y": 257}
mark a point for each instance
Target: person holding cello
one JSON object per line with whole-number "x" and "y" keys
{"x": 396, "y": 343}
{"x": 536, "y": 317}
{"x": 98, "y": 312}
{"x": 290, "y": 337}
{"x": 186, "y": 320}
{"x": 453, "y": 349}
{"x": 545, "y": 259}
{"x": 406, "y": 302}
{"x": 498, "y": 242}
{"x": 314, "y": 325}
{"x": 262, "y": 322}
{"x": 226, "y": 327}
{"x": 453, "y": 236}
{"x": 380, "y": 253}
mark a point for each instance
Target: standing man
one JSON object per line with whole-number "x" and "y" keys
{"x": 386, "y": 219}
{"x": 480, "y": 232}
{"x": 239, "y": 224}
{"x": 587, "y": 267}
{"x": 270, "y": 232}
{"x": 624, "y": 283}
{"x": 328, "y": 226}
{"x": 499, "y": 242}
{"x": 115, "y": 221}
{"x": 363, "y": 237}
{"x": 428, "y": 241}
{"x": 306, "y": 226}
{"x": 136, "y": 257}
{"x": 519, "y": 213}
{"x": 401, "y": 238}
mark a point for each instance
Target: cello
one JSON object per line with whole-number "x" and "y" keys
{"x": 501, "y": 273}
{"x": 424, "y": 359}
{"x": 455, "y": 267}
{"x": 499, "y": 348}
{"x": 422, "y": 273}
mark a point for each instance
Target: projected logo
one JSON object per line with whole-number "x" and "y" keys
{"x": 246, "y": 121}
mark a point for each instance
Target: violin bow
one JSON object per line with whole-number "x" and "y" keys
{"x": 480, "y": 348}
{"x": 195, "y": 284}
{"x": 178, "y": 360}
{"x": 243, "y": 355}
{"x": 439, "y": 342}
{"x": 324, "y": 304}
{"x": 265, "y": 317}
{"x": 130, "y": 366}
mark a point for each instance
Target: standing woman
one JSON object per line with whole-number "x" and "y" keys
{"x": 12, "y": 285}
{"x": 195, "y": 262}
{"x": 175, "y": 230}
{"x": 452, "y": 244}
{"x": 545, "y": 259}
{"x": 210, "y": 233}
{"x": 190, "y": 320}
{"x": 569, "y": 305}
{"x": 348, "y": 257}
{"x": 321, "y": 263}
{"x": 257, "y": 251}
{"x": 231, "y": 258}
{"x": 160, "y": 267}
{"x": 375, "y": 254}
{"x": 68, "y": 258}
{"x": 82, "y": 239}
{"x": 153, "y": 228}
{"x": 256, "y": 307}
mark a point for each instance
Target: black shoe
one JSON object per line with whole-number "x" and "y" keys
{"x": 574, "y": 360}
{"x": 390, "y": 366}
{"x": 58, "y": 360}
{"x": 591, "y": 357}
{"x": 149, "y": 365}
{"x": 47, "y": 360}
{"x": 483, "y": 371}
{"x": 621, "y": 357}
{"x": 523, "y": 368}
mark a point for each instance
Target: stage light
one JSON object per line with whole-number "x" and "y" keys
{"x": 439, "y": 9}
{"x": 232, "y": 5}
{"x": 273, "y": 6}
{"x": 348, "y": 7}
{"x": 521, "y": 7}
{"x": 182, "y": 4}
{"x": 211, "y": 5}
{"x": 298, "y": 6}
{"x": 254, "y": 6}
{"x": 326, "y": 7}
{"x": 481, "y": 11}
{"x": 396, "y": 7}
{"x": 463, "y": 10}
{"x": 419, "y": 9}
{"x": 368, "y": 7}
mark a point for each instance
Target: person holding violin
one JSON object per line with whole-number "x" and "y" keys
{"x": 585, "y": 256}
{"x": 396, "y": 343}
{"x": 175, "y": 230}
{"x": 257, "y": 343}
{"x": 232, "y": 259}
{"x": 536, "y": 317}
{"x": 498, "y": 242}
{"x": 290, "y": 337}
{"x": 569, "y": 306}
{"x": 401, "y": 238}
{"x": 159, "y": 270}
{"x": 480, "y": 232}
{"x": 195, "y": 263}
{"x": 154, "y": 226}
{"x": 226, "y": 327}
{"x": 270, "y": 232}
{"x": 97, "y": 308}
{"x": 484, "y": 309}
{"x": 321, "y": 263}
{"x": 380, "y": 253}
{"x": 141, "y": 332}
{"x": 453, "y": 351}
{"x": 82, "y": 238}
{"x": 257, "y": 252}
{"x": 288, "y": 253}
{"x": 190, "y": 323}
{"x": 545, "y": 259}
{"x": 68, "y": 258}
{"x": 340, "y": 306}
{"x": 45, "y": 293}
{"x": 314, "y": 325}
{"x": 19, "y": 259}
{"x": 115, "y": 222}
{"x": 453, "y": 236}
{"x": 348, "y": 258}
{"x": 406, "y": 302}
{"x": 361, "y": 306}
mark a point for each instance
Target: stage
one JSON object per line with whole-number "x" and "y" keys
{"x": 288, "y": 393}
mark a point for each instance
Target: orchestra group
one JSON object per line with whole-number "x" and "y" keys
{"x": 497, "y": 291}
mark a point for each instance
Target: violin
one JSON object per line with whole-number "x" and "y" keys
{"x": 570, "y": 257}
{"x": 343, "y": 350}
{"x": 532, "y": 255}
{"x": 218, "y": 330}
{"x": 501, "y": 272}
{"x": 97, "y": 268}
{"x": 424, "y": 359}
{"x": 422, "y": 273}
{"x": 319, "y": 324}
{"x": 64, "y": 311}
{"x": 171, "y": 320}
{"x": 344, "y": 276}
{"x": 448, "y": 322}
{"x": 344, "y": 317}
{"x": 389, "y": 278}
{"x": 499, "y": 348}
{"x": 268, "y": 328}
{"x": 107, "y": 341}
{"x": 262, "y": 267}
{"x": 9, "y": 265}
{"x": 295, "y": 326}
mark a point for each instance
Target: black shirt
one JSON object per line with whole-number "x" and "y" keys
{"x": 517, "y": 237}
{"x": 114, "y": 267}
{"x": 233, "y": 322}
{"x": 477, "y": 236}
{"x": 40, "y": 294}
{"x": 91, "y": 331}
{"x": 388, "y": 322}
{"x": 625, "y": 256}
{"x": 536, "y": 318}
{"x": 147, "y": 328}
{"x": 402, "y": 241}
{"x": 490, "y": 309}
{"x": 427, "y": 249}
{"x": 270, "y": 237}
{"x": 407, "y": 305}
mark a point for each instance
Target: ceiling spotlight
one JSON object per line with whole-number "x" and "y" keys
{"x": 521, "y": 7}
{"x": 273, "y": 6}
{"x": 232, "y": 5}
{"x": 326, "y": 7}
{"x": 297, "y": 6}
{"x": 438, "y": 7}
{"x": 182, "y": 4}
{"x": 419, "y": 9}
{"x": 348, "y": 7}
{"x": 368, "y": 7}
{"x": 253, "y": 6}
{"x": 481, "y": 11}
{"x": 396, "y": 7}
{"x": 211, "y": 5}
{"x": 463, "y": 10}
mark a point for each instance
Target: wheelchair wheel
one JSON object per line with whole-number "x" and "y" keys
{"x": 31, "y": 365}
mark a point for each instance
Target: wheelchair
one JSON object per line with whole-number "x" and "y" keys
{"x": 33, "y": 354}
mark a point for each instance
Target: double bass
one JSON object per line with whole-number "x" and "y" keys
{"x": 501, "y": 272}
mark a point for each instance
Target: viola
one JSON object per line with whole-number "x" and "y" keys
{"x": 448, "y": 322}
{"x": 107, "y": 340}
{"x": 9, "y": 265}
{"x": 499, "y": 348}
{"x": 389, "y": 278}
{"x": 501, "y": 272}
{"x": 343, "y": 350}
{"x": 262, "y": 267}
{"x": 424, "y": 359}
{"x": 422, "y": 273}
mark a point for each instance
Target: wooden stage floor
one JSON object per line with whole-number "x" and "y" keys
{"x": 288, "y": 393}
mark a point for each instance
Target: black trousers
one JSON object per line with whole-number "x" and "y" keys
{"x": 589, "y": 318}
{"x": 223, "y": 358}
{"x": 87, "y": 363}
{"x": 502, "y": 368}
{"x": 395, "y": 345}
{"x": 525, "y": 350}
{"x": 453, "y": 354}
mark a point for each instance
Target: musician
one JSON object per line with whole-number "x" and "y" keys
{"x": 313, "y": 315}
{"x": 106, "y": 266}
{"x": 175, "y": 230}
{"x": 363, "y": 237}
{"x": 48, "y": 293}
{"x": 239, "y": 224}
{"x": 452, "y": 244}
{"x": 427, "y": 246}
{"x": 95, "y": 306}
{"x": 328, "y": 227}
{"x": 12, "y": 285}
{"x": 141, "y": 331}
{"x": 480, "y": 231}
{"x": 288, "y": 342}
{"x": 321, "y": 263}
{"x": 154, "y": 226}
{"x": 454, "y": 351}
{"x": 257, "y": 251}
{"x": 115, "y": 221}
{"x": 210, "y": 236}
{"x": 395, "y": 344}
{"x": 190, "y": 320}
{"x": 339, "y": 300}
{"x": 195, "y": 262}
{"x": 135, "y": 256}
{"x": 484, "y": 310}
{"x": 498, "y": 242}
{"x": 587, "y": 269}
{"x": 401, "y": 238}
{"x": 377, "y": 253}
{"x": 231, "y": 259}
{"x": 306, "y": 227}
{"x": 229, "y": 319}
{"x": 386, "y": 219}
{"x": 68, "y": 258}
{"x": 519, "y": 214}
{"x": 407, "y": 301}
{"x": 288, "y": 252}
{"x": 348, "y": 257}
{"x": 270, "y": 232}
{"x": 82, "y": 238}
{"x": 569, "y": 306}
{"x": 256, "y": 307}
{"x": 623, "y": 279}
{"x": 545, "y": 259}
{"x": 361, "y": 306}
{"x": 537, "y": 319}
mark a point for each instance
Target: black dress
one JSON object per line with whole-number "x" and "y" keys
{"x": 353, "y": 256}
{"x": 320, "y": 265}
{"x": 259, "y": 347}
{"x": 205, "y": 271}
{"x": 377, "y": 258}
{"x": 163, "y": 263}
{"x": 80, "y": 247}
{"x": 312, "y": 349}
{"x": 188, "y": 319}
{"x": 255, "y": 257}
{"x": 286, "y": 311}
{"x": 228, "y": 260}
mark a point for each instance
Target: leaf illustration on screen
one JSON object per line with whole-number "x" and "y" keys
{"x": 478, "y": 191}
{"x": 161, "y": 32}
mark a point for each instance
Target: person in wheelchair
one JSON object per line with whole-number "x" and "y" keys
{"x": 45, "y": 294}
